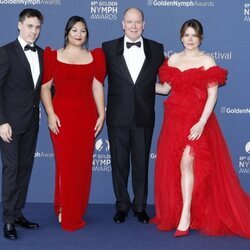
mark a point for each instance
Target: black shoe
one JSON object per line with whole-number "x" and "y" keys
{"x": 120, "y": 217}
{"x": 142, "y": 216}
{"x": 22, "y": 222}
{"x": 9, "y": 231}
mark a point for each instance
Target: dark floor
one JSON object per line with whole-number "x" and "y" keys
{"x": 102, "y": 233}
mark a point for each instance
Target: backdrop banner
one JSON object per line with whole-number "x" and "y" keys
{"x": 226, "y": 38}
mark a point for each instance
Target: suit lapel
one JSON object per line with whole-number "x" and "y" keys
{"x": 146, "y": 63}
{"x": 121, "y": 60}
{"x": 26, "y": 64}
{"x": 22, "y": 56}
{"x": 40, "y": 58}
{"x": 122, "y": 63}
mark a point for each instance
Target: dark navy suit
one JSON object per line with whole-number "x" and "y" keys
{"x": 130, "y": 119}
{"x": 19, "y": 106}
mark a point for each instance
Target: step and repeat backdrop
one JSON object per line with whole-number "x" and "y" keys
{"x": 227, "y": 36}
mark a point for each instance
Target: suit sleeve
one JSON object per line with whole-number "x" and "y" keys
{"x": 4, "y": 67}
{"x": 162, "y": 54}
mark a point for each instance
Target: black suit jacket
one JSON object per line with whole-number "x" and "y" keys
{"x": 19, "y": 100}
{"x": 129, "y": 101}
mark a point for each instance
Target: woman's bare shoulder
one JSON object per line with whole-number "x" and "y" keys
{"x": 208, "y": 61}
{"x": 174, "y": 58}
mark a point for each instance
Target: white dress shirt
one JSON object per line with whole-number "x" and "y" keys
{"x": 134, "y": 57}
{"x": 32, "y": 59}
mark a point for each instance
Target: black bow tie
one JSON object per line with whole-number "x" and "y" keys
{"x": 28, "y": 47}
{"x": 129, "y": 45}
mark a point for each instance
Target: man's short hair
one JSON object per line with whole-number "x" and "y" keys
{"x": 30, "y": 13}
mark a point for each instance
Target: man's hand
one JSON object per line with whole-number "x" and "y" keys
{"x": 6, "y": 132}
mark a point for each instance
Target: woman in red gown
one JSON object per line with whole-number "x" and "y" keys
{"x": 195, "y": 183}
{"x": 75, "y": 117}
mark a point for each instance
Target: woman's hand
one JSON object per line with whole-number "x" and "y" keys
{"x": 196, "y": 130}
{"x": 162, "y": 89}
{"x": 54, "y": 123}
{"x": 99, "y": 125}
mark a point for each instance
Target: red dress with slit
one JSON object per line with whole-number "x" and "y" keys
{"x": 74, "y": 104}
{"x": 219, "y": 204}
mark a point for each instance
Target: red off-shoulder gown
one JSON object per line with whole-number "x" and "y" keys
{"x": 74, "y": 104}
{"x": 219, "y": 204}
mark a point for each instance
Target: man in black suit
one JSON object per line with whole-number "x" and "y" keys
{"x": 20, "y": 84}
{"x": 132, "y": 66}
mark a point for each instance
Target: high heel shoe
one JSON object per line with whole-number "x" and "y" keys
{"x": 180, "y": 233}
{"x": 60, "y": 216}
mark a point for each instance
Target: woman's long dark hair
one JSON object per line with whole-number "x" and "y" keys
{"x": 71, "y": 22}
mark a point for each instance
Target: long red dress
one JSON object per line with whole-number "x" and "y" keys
{"x": 219, "y": 204}
{"x": 74, "y": 104}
